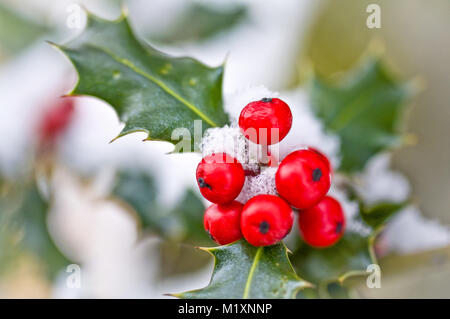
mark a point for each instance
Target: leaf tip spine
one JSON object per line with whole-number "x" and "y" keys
{"x": 225, "y": 59}
{"x": 376, "y": 47}
{"x": 118, "y": 136}
{"x": 124, "y": 11}
{"x": 176, "y": 295}
{"x": 53, "y": 44}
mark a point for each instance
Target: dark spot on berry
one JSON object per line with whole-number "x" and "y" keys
{"x": 210, "y": 236}
{"x": 317, "y": 174}
{"x": 202, "y": 183}
{"x": 266, "y": 99}
{"x": 264, "y": 227}
{"x": 339, "y": 227}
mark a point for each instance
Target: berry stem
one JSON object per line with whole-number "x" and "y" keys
{"x": 263, "y": 157}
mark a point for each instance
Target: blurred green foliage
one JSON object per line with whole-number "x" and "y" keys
{"x": 17, "y": 32}
{"x": 200, "y": 22}
{"x": 24, "y": 230}
{"x": 182, "y": 223}
{"x": 365, "y": 109}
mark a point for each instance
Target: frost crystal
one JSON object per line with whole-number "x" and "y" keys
{"x": 264, "y": 183}
{"x": 229, "y": 139}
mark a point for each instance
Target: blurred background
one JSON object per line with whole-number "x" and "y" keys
{"x": 84, "y": 185}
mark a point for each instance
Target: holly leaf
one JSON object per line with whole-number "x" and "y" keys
{"x": 150, "y": 91}
{"x": 184, "y": 222}
{"x": 201, "y": 22}
{"x": 377, "y": 215}
{"x": 24, "y": 231}
{"x": 365, "y": 110}
{"x": 244, "y": 271}
{"x": 350, "y": 256}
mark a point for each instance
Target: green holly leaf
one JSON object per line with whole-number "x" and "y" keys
{"x": 184, "y": 222}
{"x": 151, "y": 91}
{"x": 377, "y": 215}
{"x": 365, "y": 110}
{"x": 244, "y": 271}
{"x": 24, "y": 231}
{"x": 350, "y": 256}
{"x": 332, "y": 266}
{"x": 201, "y": 22}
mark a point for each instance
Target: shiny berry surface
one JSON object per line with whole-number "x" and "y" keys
{"x": 223, "y": 222}
{"x": 220, "y": 178}
{"x": 303, "y": 178}
{"x": 266, "y": 121}
{"x": 266, "y": 220}
{"x": 323, "y": 224}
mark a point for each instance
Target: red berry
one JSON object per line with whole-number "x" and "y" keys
{"x": 265, "y": 220}
{"x": 322, "y": 225}
{"x": 222, "y": 222}
{"x": 323, "y": 156}
{"x": 220, "y": 178}
{"x": 55, "y": 120}
{"x": 259, "y": 120}
{"x": 303, "y": 178}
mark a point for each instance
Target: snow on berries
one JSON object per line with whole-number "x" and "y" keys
{"x": 256, "y": 199}
{"x": 262, "y": 183}
{"x": 229, "y": 140}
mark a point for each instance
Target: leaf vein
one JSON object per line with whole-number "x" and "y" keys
{"x": 251, "y": 273}
{"x": 134, "y": 68}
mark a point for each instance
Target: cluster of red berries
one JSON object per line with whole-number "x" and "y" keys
{"x": 303, "y": 179}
